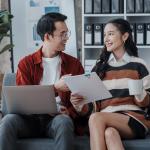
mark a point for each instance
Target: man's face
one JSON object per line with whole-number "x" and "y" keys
{"x": 60, "y": 36}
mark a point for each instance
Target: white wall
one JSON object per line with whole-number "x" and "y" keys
{"x": 20, "y": 31}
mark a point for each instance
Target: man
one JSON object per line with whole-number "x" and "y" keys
{"x": 46, "y": 66}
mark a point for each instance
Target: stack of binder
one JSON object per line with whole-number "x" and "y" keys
{"x": 93, "y": 33}
{"x": 103, "y": 6}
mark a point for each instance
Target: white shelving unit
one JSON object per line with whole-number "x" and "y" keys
{"x": 91, "y": 53}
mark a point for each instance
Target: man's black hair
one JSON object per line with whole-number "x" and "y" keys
{"x": 46, "y": 23}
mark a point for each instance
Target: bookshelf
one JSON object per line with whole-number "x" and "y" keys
{"x": 91, "y": 52}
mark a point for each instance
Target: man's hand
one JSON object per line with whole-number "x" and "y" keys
{"x": 60, "y": 85}
{"x": 77, "y": 101}
{"x": 63, "y": 110}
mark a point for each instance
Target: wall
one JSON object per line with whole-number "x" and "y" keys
{"x": 5, "y": 64}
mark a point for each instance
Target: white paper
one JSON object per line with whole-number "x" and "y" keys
{"x": 89, "y": 86}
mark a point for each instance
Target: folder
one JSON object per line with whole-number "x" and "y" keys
{"x": 97, "y": 34}
{"x": 133, "y": 30}
{"x": 88, "y": 6}
{"x": 121, "y": 6}
{"x": 130, "y": 6}
{"x": 140, "y": 34}
{"x": 106, "y": 6}
{"x": 89, "y": 64}
{"x": 139, "y": 6}
{"x": 147, "y": 6}
{"x": 97, "y": 9}
{"x": 115, "y": 4}
{"x": 147, "y": 34}
{"x": 88, "y": 34}
{"x": 89, "y": 86}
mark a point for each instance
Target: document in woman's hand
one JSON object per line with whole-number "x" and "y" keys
{"x": 89, "y": 86}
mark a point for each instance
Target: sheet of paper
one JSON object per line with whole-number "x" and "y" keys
{"x": 89, "y": 86}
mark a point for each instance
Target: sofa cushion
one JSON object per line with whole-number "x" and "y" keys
{"x": 81, "y": 143}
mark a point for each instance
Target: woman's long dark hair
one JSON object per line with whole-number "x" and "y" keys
{"x": 123, "y": 26}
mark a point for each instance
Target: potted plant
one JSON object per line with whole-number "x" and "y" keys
{"x": 5, "y": 26}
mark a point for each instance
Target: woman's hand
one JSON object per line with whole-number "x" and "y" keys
{"x": 60, "y": 85}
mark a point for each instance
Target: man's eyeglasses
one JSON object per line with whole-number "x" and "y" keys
{"x": 64, "y": 35}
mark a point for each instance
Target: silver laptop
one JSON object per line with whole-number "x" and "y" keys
{"x": 30, "y": 99}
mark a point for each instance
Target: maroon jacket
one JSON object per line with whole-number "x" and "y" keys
{"x": 30, "y": 72}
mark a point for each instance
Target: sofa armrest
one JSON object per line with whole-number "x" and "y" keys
{"x": 0, "y": 114}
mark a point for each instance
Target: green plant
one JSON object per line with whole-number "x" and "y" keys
{"x": 5, "y": 26}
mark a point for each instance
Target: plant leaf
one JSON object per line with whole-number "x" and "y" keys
{"x": 7, "y": 47}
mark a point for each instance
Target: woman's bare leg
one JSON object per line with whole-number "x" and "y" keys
{"x": 98, "y": 123}
{"x": 113, "y": 139}
{"x": 97, "y": 128}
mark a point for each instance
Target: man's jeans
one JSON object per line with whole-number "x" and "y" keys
{"x": 14, "y": 126}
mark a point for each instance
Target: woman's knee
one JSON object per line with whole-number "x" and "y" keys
{"x": 110, "y": 132}
{"x": 96, "y": 119}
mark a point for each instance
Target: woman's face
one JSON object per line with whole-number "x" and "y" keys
{"x": 113, "y": 38}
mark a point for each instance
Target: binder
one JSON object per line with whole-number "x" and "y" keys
{"x": 121, "y": 6}
{"x": 97, "y": 9}
{"x": 147, "y": 6}
{"x": 89, "y": 64}
{"x": 97, "y": 40}
{"x": 133, "y": 30}
{"x": 140, "y": 34}
{"x": 115, "y": 4}
{"x": 88, "y": 6}
{"x": 130, "y": 6}
{"x": 139, "y": 6}
{"x": 147, "y": 34}
{"x": 106, "y": 6}
{"x": 88, "y": 34}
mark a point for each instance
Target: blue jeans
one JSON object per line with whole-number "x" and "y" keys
{"x": 14, "y": 126}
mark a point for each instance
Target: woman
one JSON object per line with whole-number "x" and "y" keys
{"x": 123, "y": 116}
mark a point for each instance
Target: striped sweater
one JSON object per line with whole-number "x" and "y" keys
{"x": 116, "y": 81}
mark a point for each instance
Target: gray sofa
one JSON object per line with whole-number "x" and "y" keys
{"x": 81, "y": 143}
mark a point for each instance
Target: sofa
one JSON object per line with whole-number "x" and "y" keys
{"x": 80, "y": 143}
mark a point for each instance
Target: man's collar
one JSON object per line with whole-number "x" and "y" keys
{"x": 37, "y": 57}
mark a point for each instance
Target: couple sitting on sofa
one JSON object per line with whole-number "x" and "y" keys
{"x": 122, "y": 116}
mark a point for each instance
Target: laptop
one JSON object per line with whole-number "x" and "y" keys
{"x": 30, "y": 99}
